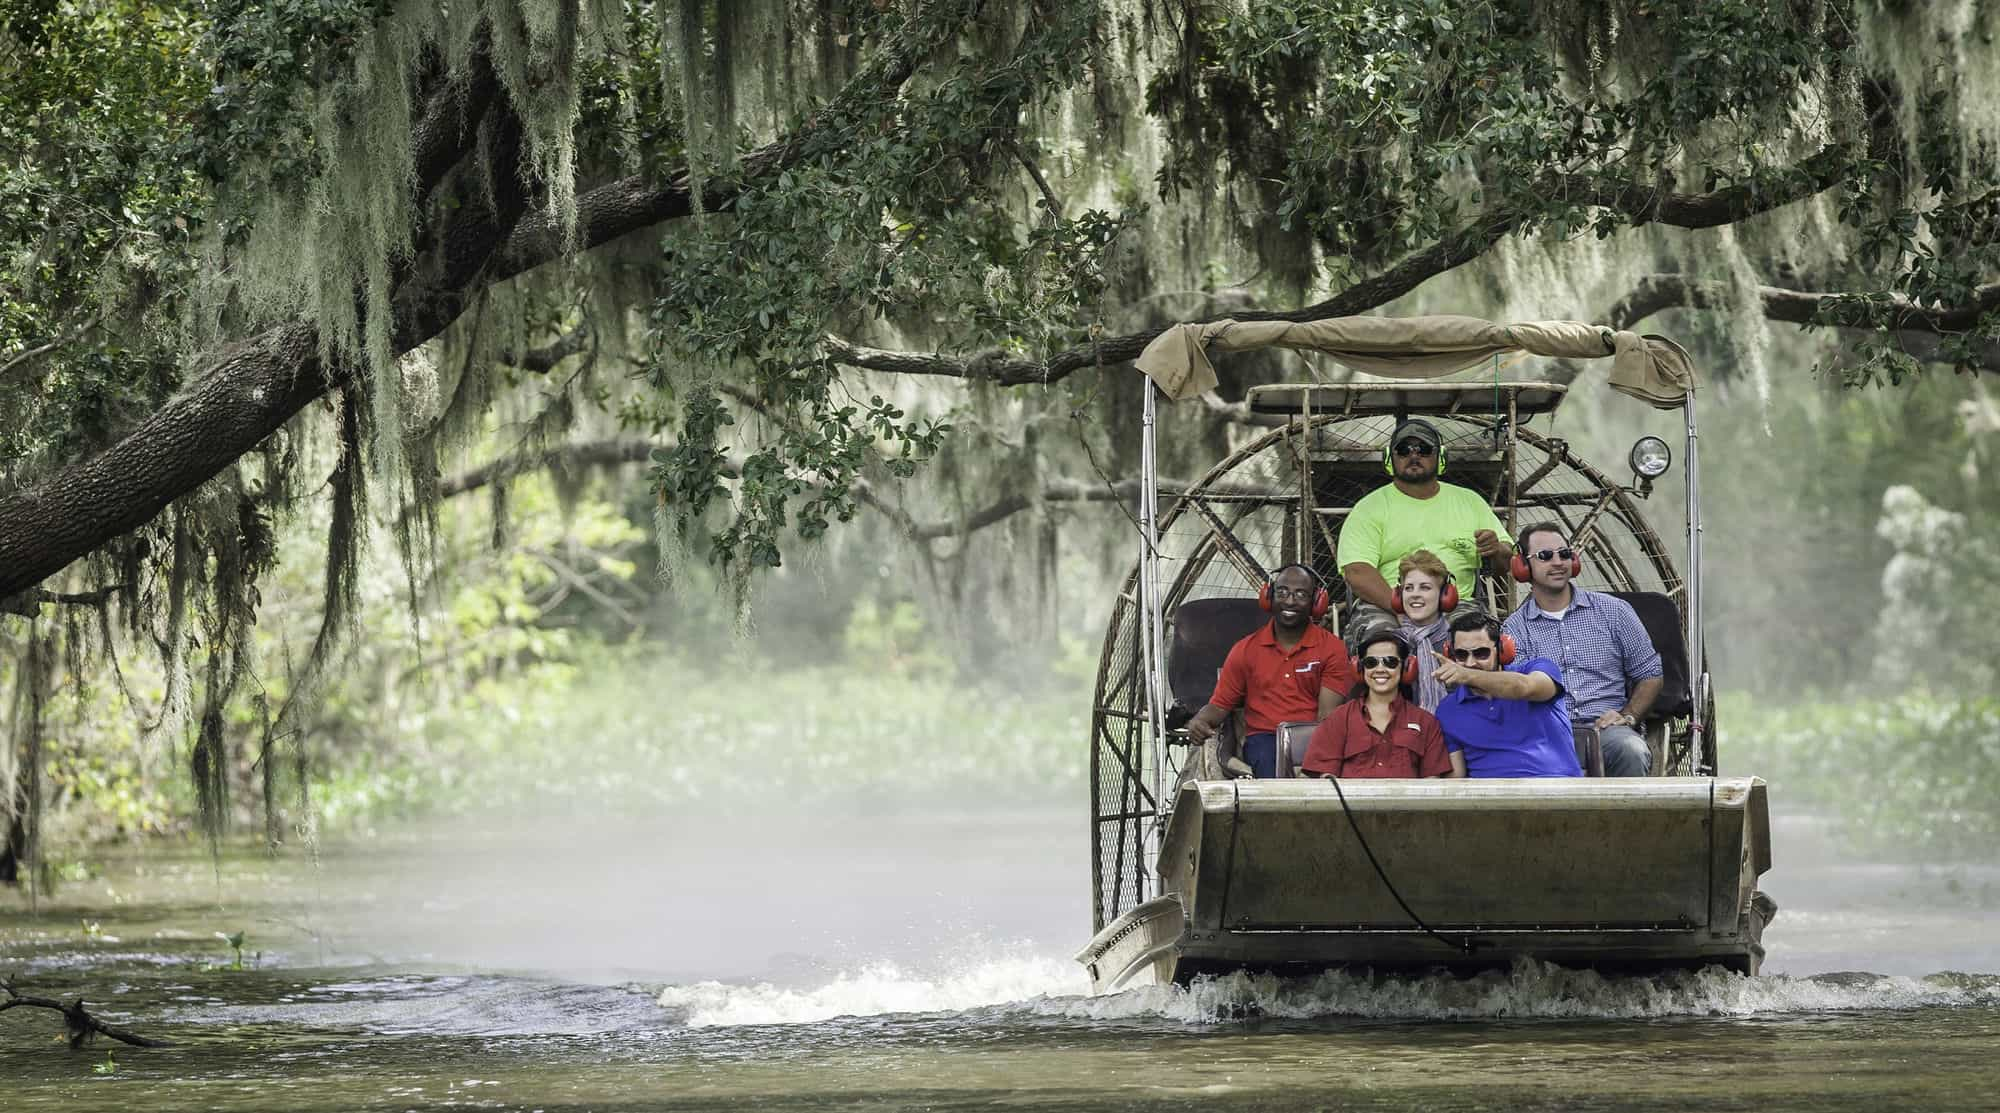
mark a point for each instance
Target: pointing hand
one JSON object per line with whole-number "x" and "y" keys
{"x": 1449, "y": 673}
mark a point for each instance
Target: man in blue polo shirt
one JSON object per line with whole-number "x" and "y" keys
{"x": 1608, "y": 662}
{"x": 1509, "y": 720}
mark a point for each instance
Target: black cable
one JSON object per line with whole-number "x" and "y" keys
{"x": 1466, "y": 944}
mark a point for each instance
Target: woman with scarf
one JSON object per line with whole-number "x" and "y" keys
{"x": 1424, "y": 598}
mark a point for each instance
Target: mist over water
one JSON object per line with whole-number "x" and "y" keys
{"x": 752, "y": 918}
{"x": 884, "y": 954}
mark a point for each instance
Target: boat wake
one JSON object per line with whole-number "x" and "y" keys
{"x": 1051, "y": 988}
{"x": 879, "y": 989}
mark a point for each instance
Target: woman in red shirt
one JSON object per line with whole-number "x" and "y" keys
{"x": 1380, "y": 731}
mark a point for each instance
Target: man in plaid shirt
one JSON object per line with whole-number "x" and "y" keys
{"x": 1609, "y": 665}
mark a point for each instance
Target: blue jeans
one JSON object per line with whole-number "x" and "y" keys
{"x": 1260, "y": 753}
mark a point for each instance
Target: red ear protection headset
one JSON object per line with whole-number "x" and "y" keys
{"x": 1447, "y": 599}
{"x": 1321, "y": 600}
{"x": 1518, "y": 565}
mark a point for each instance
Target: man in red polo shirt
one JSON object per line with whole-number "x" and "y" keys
{"x": 1290, "y": 671}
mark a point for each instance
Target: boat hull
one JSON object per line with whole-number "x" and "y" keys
{"x": 1619, "y": 874}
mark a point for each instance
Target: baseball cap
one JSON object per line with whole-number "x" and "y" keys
{"x": 1416, "y": 429}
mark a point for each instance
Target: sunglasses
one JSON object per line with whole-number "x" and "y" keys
{"x": 1381, "y": 662}
{"x": 1546, "y": 555}
{"x": 1480, "y": 654}
{"x": 1416, "y": 448}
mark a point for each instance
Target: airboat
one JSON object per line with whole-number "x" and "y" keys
{"x": 1196, "y": 872}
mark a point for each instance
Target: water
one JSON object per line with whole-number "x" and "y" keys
{"x": 921, "y": 962}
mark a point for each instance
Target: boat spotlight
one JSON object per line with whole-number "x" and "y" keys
{"x": 1651, "y": 457}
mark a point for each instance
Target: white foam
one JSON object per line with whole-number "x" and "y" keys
{"x": 1051, "y": 987}
{"x": 1528, "y": 990}
{"x": 877, "y": 989}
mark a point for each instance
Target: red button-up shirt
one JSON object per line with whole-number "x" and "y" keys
{"x": 1275, "y": 685}
{"x": 1348, "y": 745}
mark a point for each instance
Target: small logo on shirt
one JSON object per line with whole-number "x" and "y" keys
{"x": 1307, "y": 667}
{"x": 1414, "y": 727}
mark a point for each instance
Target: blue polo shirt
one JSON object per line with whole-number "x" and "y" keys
{"x": 1512, "y": 737}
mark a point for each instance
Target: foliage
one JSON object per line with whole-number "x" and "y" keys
{"x": 752, "y": 233}
{"x": 1811, "y": 584}
{"x": 642, "y": 731}
{"x": 1383, "y": 126}
{"x": 1911, "y": 773}
{"x": 97, "y": 197}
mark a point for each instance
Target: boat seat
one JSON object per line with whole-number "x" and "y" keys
{"x": 1662, "y": 619}
{"x": 1293, "y": 741}
{"x": 1589, "y": 751}
{"x": 1204, "y": 632}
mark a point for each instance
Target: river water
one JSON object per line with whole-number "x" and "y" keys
{"x": 920, "y": 961}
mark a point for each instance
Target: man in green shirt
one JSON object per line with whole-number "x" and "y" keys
{"x": 1415, "y": 512}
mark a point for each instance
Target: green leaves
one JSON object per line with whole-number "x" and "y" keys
{"x": 906, "y": 215}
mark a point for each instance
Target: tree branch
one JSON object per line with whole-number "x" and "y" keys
{"x": 28, "y": 603}
{"x": 542, "y": 360}
{"x": 580, "y": 582}
{"x": 564, "y": 457}
{"x": 1061, "y": 490}
{"x": 253, "y": 387}
{"x": 1058, "y": 490}
{"x": 77, "y": 1020}
{"x": 633, "y": 203}
{"x": 18, "y": 359}
{"x": 1648, "y": 203}
{"x": 1049, "y": 197}
{"x": 1917, "y": 328}
{"x": 1642, "y": 202}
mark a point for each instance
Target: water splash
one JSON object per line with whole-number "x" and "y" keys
{"x": 1052, "y": 988}
{"x": 877, "y": 989}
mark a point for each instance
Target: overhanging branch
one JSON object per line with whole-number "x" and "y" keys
{"x": 1641, "y": 202}
{"x": 28, "y": 604}
{"x": 565, "y": 457}
{"x": 251, "y": 388}
{"x": 542, "y": 360}
{"x": 1918, "y": 329}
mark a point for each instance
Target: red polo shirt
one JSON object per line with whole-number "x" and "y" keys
{"x": 1282, "y": 685}
{"x": 1348, "y": 745}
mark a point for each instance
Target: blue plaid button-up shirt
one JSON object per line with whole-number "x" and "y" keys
{"x": 1599, "y": 642}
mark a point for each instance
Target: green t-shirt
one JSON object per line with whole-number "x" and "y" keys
{"x": 1388, "y": 525}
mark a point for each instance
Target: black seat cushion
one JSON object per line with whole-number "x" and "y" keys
{"x": 1204, "y": 631}
{"x": 1662, "y": 619}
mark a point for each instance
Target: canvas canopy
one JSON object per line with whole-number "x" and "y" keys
{"x": 1650, "y": 368}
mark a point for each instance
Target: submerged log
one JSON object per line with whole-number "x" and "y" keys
{"x": 77, "y": 1021}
